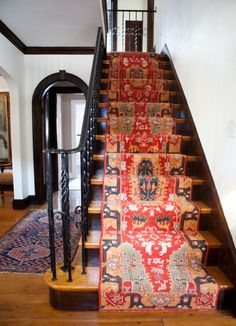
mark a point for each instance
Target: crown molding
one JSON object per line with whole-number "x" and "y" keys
{"x": 12, "y": 37}
{"x": 42, "y": 49}
{"x": 59, "y": 50}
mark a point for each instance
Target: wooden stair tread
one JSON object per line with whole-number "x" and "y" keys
{"x": 105, "y": 92}
{"x": 100, "y": 157}
{"x": 89, "y": 281}
{"x": 177, "y": 120}
{"x": 205, "y": 209}
{"x": 220, "y": 277}
{"x": 106, "y": 80}
{"x": 102, "y": 137}
{"x": 106, "y": 71}
{"x": 211, "y": 239}
{"x": 93, "y": 239}
{"x": 175, "y": 106}
{"x": 95, "y": 207}
{"x": 197, "y": 181}
{"x": 97, "y": 179}
{"x": 161, "y": 59}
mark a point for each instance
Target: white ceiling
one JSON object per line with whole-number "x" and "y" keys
{"x": 52, "y": 22}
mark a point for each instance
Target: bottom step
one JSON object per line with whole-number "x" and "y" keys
{"x": 82, "y": 293}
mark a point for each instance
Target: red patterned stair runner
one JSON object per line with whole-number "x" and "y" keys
{"x": 152, "y": 256}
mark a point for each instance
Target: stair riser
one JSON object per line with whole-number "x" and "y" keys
{"x": 177, "y": 113}
{"x": 181, "y": 128}
{"x": 88, "y": 301}
{"x": 96, "y": 192}
{"x": 162, "y": 64}
{"x": 95, "y": 222}
{"x": 92, "y": 257}
{"x": 168, "y": 87}
{"x": 74, "y": 301}
{"x": 175, "y": 99}
{"x": 168, "y": 75}
{"x": 186, "y": 147}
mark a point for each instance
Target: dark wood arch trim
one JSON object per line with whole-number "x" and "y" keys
{"x": 37, "y": 123}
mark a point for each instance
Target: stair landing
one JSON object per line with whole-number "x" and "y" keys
{"x": 82, "y": 292}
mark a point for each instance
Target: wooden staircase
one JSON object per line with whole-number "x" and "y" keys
{"x": 82, "y": 293}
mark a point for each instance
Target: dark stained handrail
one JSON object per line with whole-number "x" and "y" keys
{"x": 130, "y": 10}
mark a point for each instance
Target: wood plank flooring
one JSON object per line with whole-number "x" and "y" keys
{"x": 24, "y": 298}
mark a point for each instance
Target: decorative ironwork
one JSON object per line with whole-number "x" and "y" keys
{"x": 132, "y": 36}
{"x": 86, "y": 149}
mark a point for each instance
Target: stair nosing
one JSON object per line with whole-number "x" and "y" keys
{"x": 213, "y": 242}
{"x": 102, "y": 104}
{"x": 75, "y": 286}
{"x": 205, "y": 210}
{"x": 100, "y": 157}
{"x": 185, "y": 138}
{"x": 96, "y": 181}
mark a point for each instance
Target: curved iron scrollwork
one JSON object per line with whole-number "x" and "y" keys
{"x": 86, "y": 149}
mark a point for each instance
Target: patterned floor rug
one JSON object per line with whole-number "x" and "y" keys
{"x": 152, "y": 254}
{"x": 25, "y": 247}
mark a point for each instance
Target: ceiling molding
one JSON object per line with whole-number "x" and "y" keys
{"x": 59, "y": 50}
{"x": 41, "y": 49}
{"x": 12, "y": 37}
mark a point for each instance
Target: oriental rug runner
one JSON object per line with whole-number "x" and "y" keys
{"x": 25, "y": 247}
{"x": 152, "y": 255}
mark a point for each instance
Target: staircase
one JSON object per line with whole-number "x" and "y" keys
{"x": 82, "y": 292}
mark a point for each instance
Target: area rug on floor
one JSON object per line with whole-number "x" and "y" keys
{"x": 152, "y": 255}
{"x": 25, "y": 247}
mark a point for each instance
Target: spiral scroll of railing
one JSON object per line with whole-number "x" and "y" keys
{"x": 86, "y": 149}
{"x": 128, "y": 30}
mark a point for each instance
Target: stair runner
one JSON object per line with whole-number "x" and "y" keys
{"x": 152, "y": 256}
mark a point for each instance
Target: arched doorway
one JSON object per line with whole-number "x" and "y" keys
{"x": 41, "y": 107}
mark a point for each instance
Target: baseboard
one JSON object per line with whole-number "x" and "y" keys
{"x": 23, "y": 203}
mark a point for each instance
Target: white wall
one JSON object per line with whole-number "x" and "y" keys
{"x": 3, "y": 85}
{"x": 37, "y": 67}
{"x": 12, "y": 70}
{"x": 201, "y": 36}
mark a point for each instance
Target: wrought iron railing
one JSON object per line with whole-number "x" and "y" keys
{"x": 86, "y": 149}
{"x": 130, "y": 30}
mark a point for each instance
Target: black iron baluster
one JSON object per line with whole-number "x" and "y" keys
{"x": 129, "y": 34}
{"x": 82, "y": 221}
{"x": 136, "y": 33}
{"x": 66, "y": 215}
{"x": 142, "y": 28}
{"x": 123, "y": 30}
{"x": 85, "y": 148}
{"x": 129, "y": 31}
{"x": 50, "y": 215}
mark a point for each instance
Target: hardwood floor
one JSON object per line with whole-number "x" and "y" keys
{"x": 24, "y": 298}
